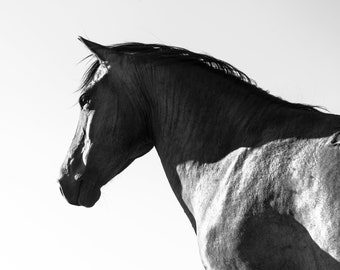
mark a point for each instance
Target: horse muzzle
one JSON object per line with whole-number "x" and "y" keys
{"x": 70, "y": 189}
{"x": 79, "y": 192}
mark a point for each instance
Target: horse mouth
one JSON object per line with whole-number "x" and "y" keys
{"x": 79, "y": 193}
{"x": 88, "y": 196}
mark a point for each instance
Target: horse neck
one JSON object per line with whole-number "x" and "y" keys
{"x": 202, "y": 116}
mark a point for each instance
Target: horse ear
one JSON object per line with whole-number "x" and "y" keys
{"x": 99, "y": 50}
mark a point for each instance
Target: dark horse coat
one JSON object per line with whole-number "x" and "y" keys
{"x": 257, "y": 176}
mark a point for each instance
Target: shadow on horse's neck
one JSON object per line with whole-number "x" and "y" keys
{"x": 201, "y": 116}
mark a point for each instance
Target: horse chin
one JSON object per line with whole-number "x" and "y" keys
{"x": 88, "y": 197}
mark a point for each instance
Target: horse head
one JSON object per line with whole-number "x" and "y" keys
{"x": 111, "y": 131}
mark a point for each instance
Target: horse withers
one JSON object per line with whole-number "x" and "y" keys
{"x": 257, "y": 176}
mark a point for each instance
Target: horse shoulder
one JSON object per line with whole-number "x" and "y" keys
{"x": 242, "y": 208}
{"x": 317, "y": 190}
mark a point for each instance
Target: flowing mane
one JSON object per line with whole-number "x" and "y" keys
{"x": 163, "y": 53}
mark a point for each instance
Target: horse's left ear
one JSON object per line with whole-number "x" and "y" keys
{"x": 99, "y": 50}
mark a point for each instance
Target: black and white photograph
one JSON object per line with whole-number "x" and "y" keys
{"x": 148, "y": 135}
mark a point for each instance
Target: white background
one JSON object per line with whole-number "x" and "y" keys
{"x": 289, "y": 47}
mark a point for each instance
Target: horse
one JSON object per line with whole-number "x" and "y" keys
{"x": 257, "y": 176}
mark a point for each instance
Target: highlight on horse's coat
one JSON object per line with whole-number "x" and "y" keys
{"x": 257, "y": 176}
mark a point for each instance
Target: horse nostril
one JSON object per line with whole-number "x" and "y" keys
{"x": 61, "y": 190}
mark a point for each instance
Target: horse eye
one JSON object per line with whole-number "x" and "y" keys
{"x": 84, "y": 99}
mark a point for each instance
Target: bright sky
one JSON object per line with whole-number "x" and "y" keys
{"x": 289, "y": 47}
